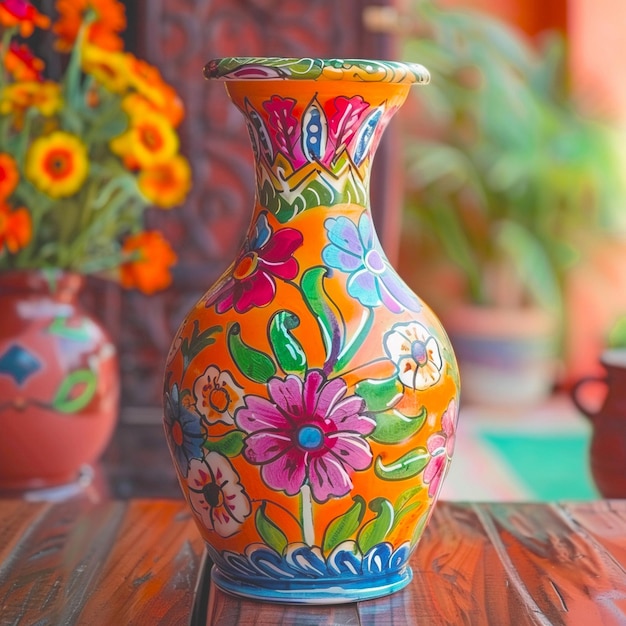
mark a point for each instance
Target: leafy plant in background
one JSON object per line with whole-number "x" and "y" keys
{"x": 506, "y": 172}
{"x": 85, "y": 154}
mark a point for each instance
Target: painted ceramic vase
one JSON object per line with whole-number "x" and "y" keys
{"x": 59, "y": 381}
{"x": 310, "y": 397}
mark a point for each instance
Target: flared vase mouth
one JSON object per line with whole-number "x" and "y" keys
{"x": 351, "y": 70}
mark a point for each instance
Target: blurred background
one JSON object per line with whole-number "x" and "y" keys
{"x": 498, "y": 194}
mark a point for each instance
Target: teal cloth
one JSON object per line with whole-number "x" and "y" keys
{"x": 551, "y": 466}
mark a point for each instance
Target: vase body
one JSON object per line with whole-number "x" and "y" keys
{"x": 59, "y": 382}
{"x": 607, "y": 451}
{"x": 310, "y": 397}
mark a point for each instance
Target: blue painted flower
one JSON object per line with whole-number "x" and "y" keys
{"x": 183, "y": 431}
{"x": 355, "y": 250}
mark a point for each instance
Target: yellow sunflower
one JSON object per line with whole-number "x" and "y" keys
{"x": 109, "y": 68}
{"x": 43, "y": 96}
{"x": 166, "y": 184}
{"x": 57, "y": 164}
{"x": 149, "y": 141}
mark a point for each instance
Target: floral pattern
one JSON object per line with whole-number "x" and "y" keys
{"x": 312, "y": 371}
{"x": 353, "y": 249}
{"x": 216, "y": 494}
{"x": 183, "y": 431}
{"x": 217, "y": 395}
{"x": 440, "y": 447}
{"x": 309, "y": 431}
{"x": 266, "y": 256}
{"x": 417, "y": 354}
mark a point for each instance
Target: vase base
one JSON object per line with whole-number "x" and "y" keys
{"x": 335, "y": 591}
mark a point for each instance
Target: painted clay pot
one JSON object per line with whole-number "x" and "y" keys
{"x": 310, "y": 397}
{"x": 607, "y": 452}
{"x": 59, "y": 382}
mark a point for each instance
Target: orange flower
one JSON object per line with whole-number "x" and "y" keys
{"x": 22, "y": 64}
{"x": 150, "y": 257}
{"x": 57, "y": 164}
{"x": 23, "y": 15}
{"x": 9, "y": 175}
{"x": 15, "y": 228}
{"x": 109, "y": 19}
{"x": 166, "y": 184}
{"x": 161, "y": 97}
{"x": 149, "y": 141}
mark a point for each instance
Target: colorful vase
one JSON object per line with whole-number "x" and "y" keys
{"x": 311, "y": 398}
{"x": 59, "y": 382}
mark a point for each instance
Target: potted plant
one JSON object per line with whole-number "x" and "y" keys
{"x": 84, "y": 153}
{"x": 507, "y": 182}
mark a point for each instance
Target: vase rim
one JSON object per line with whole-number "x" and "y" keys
{"x": 316, "y": 69}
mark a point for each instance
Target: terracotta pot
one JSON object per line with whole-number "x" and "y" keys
{"x": 608, "y": 442}
{"x": 507, "y": 356}
{"x": 59, "y": 381}
{"x": 311, "y": 398}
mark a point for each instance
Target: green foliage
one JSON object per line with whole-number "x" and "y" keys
{"x": 507, "y": 175}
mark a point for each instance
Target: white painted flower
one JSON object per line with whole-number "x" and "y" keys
{"x": 217, "y": 395}
{"x": 416, "y": 353}
{"x": 216, "y": 494}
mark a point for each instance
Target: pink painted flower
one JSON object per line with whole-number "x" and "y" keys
{"x": 440, "y": 446}
{"x": 308, "y": 431}
{"x": 216, "y": 494}
{"x": 266, "y": 256}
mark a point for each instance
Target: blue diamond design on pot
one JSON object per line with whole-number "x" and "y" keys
{"x": 18, "y": 363}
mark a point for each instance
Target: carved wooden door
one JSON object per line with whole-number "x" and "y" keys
{"x": 180, "y": 36}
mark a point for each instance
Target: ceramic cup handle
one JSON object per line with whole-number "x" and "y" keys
{"x": 576, "y": 398}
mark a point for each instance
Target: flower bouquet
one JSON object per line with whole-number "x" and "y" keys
{"x": 84, "y": 153}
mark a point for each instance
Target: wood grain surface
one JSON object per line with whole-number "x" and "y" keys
{"x": 141, "y": 562}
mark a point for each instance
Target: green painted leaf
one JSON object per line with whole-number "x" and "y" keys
{"x": 419, "y": 529}
{"x": 192, "y": 346}
{"x": 404, "y": 512}
{"x": 407, "y": 466}
{"x": 405, "y": 496}
{"x": 252, "y": 363}
{"x": 271, "y": 534}
{"x": 287, "y": 349}
{"x": 355, "y": 342}
{"x": 318, "y": 302}
{"x": 393, "y": 427}
{"x": 377, "y": 529}
{"x": 344, "y": 526}
{"x": 380, "y": 395}
{"x": 229, "y": 444}
{"x": 76, "y": 391}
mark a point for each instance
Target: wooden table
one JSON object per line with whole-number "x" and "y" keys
{"x": 140, "y": 562}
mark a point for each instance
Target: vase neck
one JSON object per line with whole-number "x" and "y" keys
{"x": 55, "y": 284}
{"x": 314, "y": 142}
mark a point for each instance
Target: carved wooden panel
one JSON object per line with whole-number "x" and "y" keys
{"x": 180, "y": 36}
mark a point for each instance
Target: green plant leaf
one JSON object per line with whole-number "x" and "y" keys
{"x": 287, "y": 349}
{"x": 393, "y": 427}
{"x": 252, "y": 363}
{"x": 271, "y": 534}
{"x": 377, "y": 529}
{"x": 355, "y": 342}
{"x": 76, "y": 391}
{"x": 344, "y": 526}
{"x": 405, "y": 496}
{"x": 380, "y": 395}
{"x": 229, "y": 444}
{"x": 407, "y": 466}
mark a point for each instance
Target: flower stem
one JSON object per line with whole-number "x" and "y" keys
{"x": 306, "y": 515}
